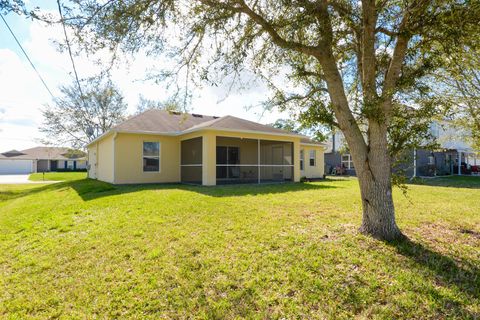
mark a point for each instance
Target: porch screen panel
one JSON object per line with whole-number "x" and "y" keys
{"x": 191, "y": 160}
{"x": 237, "y": 160}
{"x": 276, "y": 161}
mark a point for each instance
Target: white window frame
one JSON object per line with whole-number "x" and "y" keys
{"x": 347, "y": 163}
{"x": 159, "y": 157}
{"x": 314, "y": 158}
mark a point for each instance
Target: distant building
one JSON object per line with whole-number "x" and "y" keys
{"x": 453, "y": 145}
{"x": 42, "y": 159}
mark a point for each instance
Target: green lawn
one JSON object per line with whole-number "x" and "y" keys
{"x": 454, "y": 181}
{"x": 85, "y": 249}
{"x": 57, "y": 176}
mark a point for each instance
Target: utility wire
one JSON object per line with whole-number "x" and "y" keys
{"x": 69, "y": 48}
{"x": 28, "y": 58}
{"x": 85, "y": 112}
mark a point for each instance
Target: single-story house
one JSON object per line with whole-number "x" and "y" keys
{"x": 42, "y": 159}
{"x": 161, "y": 147}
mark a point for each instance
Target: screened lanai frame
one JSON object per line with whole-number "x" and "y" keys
{"x": 254, "y": 160}
{"x": 191, "y": 160}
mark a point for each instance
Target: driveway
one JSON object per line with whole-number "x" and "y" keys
{"x": 17, "y": 179}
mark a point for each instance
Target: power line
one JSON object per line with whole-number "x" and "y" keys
{"x": 28, "y": 58}
{"x": 69, "y": 49}
{"x": 85, "y": 112}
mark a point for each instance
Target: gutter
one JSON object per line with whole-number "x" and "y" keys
{"x": 314, "y": 145}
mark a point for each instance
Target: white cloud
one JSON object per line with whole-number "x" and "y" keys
{"x": 21, "y": 99}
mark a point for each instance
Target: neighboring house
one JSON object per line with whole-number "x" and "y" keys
{"x": 453, "y": 145}
{"x": 160, "y": 147}
{"x": 41, "y": 159}
{"x": 337, "y": 156}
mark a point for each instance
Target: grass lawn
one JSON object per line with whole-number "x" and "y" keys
{"x": 453, "y": 181}
{"x": 57, "y": 176}
{"x": 86, "y": 249}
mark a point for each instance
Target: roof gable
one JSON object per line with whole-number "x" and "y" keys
{"x": 160, "y": 121}
{"x": 12, "y": 153}
{"x": 234, "y": 123}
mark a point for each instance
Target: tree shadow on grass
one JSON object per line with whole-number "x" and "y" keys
{"x": 15, "y": 193}
{"x": 92, "y": 189}
{"x": 464, "y": 275}
{"x": 89, "y": 189}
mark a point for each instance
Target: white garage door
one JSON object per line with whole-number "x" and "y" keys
{"x": 15, "y": 166}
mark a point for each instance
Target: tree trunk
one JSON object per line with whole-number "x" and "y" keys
{"x": 374, "y": 177}
{"x": 378, "y": 218}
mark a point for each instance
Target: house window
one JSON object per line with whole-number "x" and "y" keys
{"x": 313, "y": 157}
{"x": 347, "y": 161}
{"x": 151, "y": 156}
{"x": 302, "y": 156}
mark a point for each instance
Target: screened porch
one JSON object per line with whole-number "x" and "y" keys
{"x": 237, "y": 160}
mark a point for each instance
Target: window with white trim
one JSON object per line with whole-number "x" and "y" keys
{"x": 151, "y": 156}
{"x": 347, "y": 161}
{"x": 302, "y": 156}
{"x": 313, "y": 158}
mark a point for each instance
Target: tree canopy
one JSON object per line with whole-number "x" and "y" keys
{"x": 145, "y": 104}
{"x": 79, "y": 116}
{"x": 459, "y": 84}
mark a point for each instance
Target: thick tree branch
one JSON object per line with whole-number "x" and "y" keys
{"x": 369, "y": 21}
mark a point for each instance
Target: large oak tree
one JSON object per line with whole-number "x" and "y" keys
{"x": 354, "y": 65}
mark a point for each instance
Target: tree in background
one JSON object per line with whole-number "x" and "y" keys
{"x": 349, "y": 64}
{"x": 287, "y": 124}
{"x": 79, "y": 116}
{"x": 17, "y": 6}
{"x": 316, "y": 131}
{"x": 459, "y": 83}
{"x": 145, "y": 104}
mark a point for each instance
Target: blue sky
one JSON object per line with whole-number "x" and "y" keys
{"x": 22, "y": 95}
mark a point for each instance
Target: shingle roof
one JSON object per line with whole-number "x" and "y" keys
{"x": 164, "y": 122}
{"x": 48, "y": 153}
{"x": 11, "y": 153}
{"x": 234, "y": 123}
{"x": 160, "y": 121}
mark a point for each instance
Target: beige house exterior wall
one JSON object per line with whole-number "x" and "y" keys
{"x": 318, "y": 170}
{"x": 118, "y": 158}
{"x": 129, "y": 159}
{"x": 105, "y": 156}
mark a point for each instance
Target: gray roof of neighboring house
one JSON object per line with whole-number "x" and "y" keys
{"x": 310, "y": 141}
{"x": 165, "y": 122}
{"x": 44, "y": 153}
